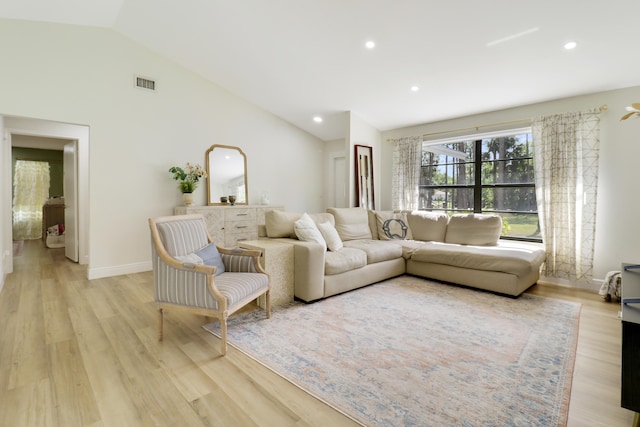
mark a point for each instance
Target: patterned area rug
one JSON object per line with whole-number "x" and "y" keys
{"x": 412, "y": 352}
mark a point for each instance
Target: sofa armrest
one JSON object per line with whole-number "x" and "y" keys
{"x": 308, "y": 270}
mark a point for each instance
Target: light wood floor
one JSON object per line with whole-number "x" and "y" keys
{"x": 75, "y": 352}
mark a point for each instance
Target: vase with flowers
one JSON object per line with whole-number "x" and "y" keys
{"x": 188, "y": 180}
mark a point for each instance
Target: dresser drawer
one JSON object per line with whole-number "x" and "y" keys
{"x": 234, "y": 235}
{"x": 240, "y": 227}
{"x": 229, "y": 225}
{"x": 240, "y": 214}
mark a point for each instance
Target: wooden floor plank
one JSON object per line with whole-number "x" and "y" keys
{"x": 30, "y": 405}
{"x": 29, "y": 357}
{"x": 79, "y": 352}
{"x": 73, "y": 397}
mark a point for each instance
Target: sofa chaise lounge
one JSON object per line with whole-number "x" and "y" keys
{"x": 347, "y": 248}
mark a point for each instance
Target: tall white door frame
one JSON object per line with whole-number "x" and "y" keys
{"x": 337, "y": 185}
{"x": 50, "y": 129}
{"x": 70, "y": 184}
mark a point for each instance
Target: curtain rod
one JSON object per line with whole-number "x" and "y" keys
{"x": 602, "y": 108}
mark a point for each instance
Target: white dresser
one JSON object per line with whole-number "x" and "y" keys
{"x": 229, "y": 225}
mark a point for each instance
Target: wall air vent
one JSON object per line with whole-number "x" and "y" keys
{"x": 145, "y": 83}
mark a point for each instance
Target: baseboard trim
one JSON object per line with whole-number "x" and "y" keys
{"x": 118, "y": 270}
{"x": 594, "y": 285}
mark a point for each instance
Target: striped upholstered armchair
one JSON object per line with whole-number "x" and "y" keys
{"x": 191, "y": 273}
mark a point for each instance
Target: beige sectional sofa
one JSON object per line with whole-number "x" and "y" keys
{"x": 347, "y": 248}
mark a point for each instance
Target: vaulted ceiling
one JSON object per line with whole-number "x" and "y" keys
{"x": 304, "y": 58}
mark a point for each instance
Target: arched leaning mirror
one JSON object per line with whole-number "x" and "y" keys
{"x": 227, "y": 175}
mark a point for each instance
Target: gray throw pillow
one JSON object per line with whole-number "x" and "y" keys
{"x": 207, "y": 255}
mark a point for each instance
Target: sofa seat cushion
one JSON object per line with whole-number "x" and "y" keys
{"x": 376, "y": 250}
{"x": 346, "y": 259}
{"x": 508, "y": 257}
{"x": 408, "y": 246}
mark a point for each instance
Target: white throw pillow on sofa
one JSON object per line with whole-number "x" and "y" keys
{"x": 307, "y": 231}
{"x": 331, "y": 236}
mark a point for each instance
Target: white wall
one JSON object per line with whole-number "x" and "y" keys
{"x": 617, "y": 231}
{"x": 6, "y": 253}
{"x": 84, "y": 75}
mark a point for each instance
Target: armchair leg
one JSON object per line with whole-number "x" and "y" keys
{"x": 160, "y": 322}
{"x": 223, "y": 335}
{"x": 267, "y": 303}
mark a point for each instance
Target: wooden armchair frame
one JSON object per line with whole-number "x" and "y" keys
{"x": 224, "y": 309}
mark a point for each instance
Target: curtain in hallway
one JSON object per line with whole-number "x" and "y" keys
{"x": 30, "y": 191}
{"x": 566, "y": 152}
{"x": 407, "y": 163}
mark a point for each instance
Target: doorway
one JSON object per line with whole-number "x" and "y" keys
{"x": 76, "y": 138}
{"x": 54, "y": 219}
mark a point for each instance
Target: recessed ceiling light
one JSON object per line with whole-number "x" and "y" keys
{"x": 414, "y": 88}
{"x": 317, "y": 119}
{"x": 570, "y": 45}
{"x": 370, "y": 44}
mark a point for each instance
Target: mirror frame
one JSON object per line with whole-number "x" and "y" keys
{"x": 207, "y": 161}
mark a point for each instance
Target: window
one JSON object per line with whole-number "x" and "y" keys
{"x": 491, "y": 173}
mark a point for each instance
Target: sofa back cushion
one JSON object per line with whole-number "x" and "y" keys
{"x": 319, "y": 218}
{"x": 280, "y": 223}
{"x": 474, "y": 229}
{"x": 428, "y": 226}
{"x": 373, "y": 224}
{"x": 351, "y": 223}
{"x": 392, "y": 225}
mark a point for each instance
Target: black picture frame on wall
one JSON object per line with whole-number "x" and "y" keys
{"x": 364, "y": 176}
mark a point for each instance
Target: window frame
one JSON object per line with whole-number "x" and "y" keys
{"x": 478, "y": 186}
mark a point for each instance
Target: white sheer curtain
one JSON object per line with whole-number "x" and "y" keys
{"x": 407, "y": 159}
{"x": 566, "y": 148}
{"x": 30, "y": 191}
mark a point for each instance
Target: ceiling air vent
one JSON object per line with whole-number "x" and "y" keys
{"x": 145, "y": 83}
